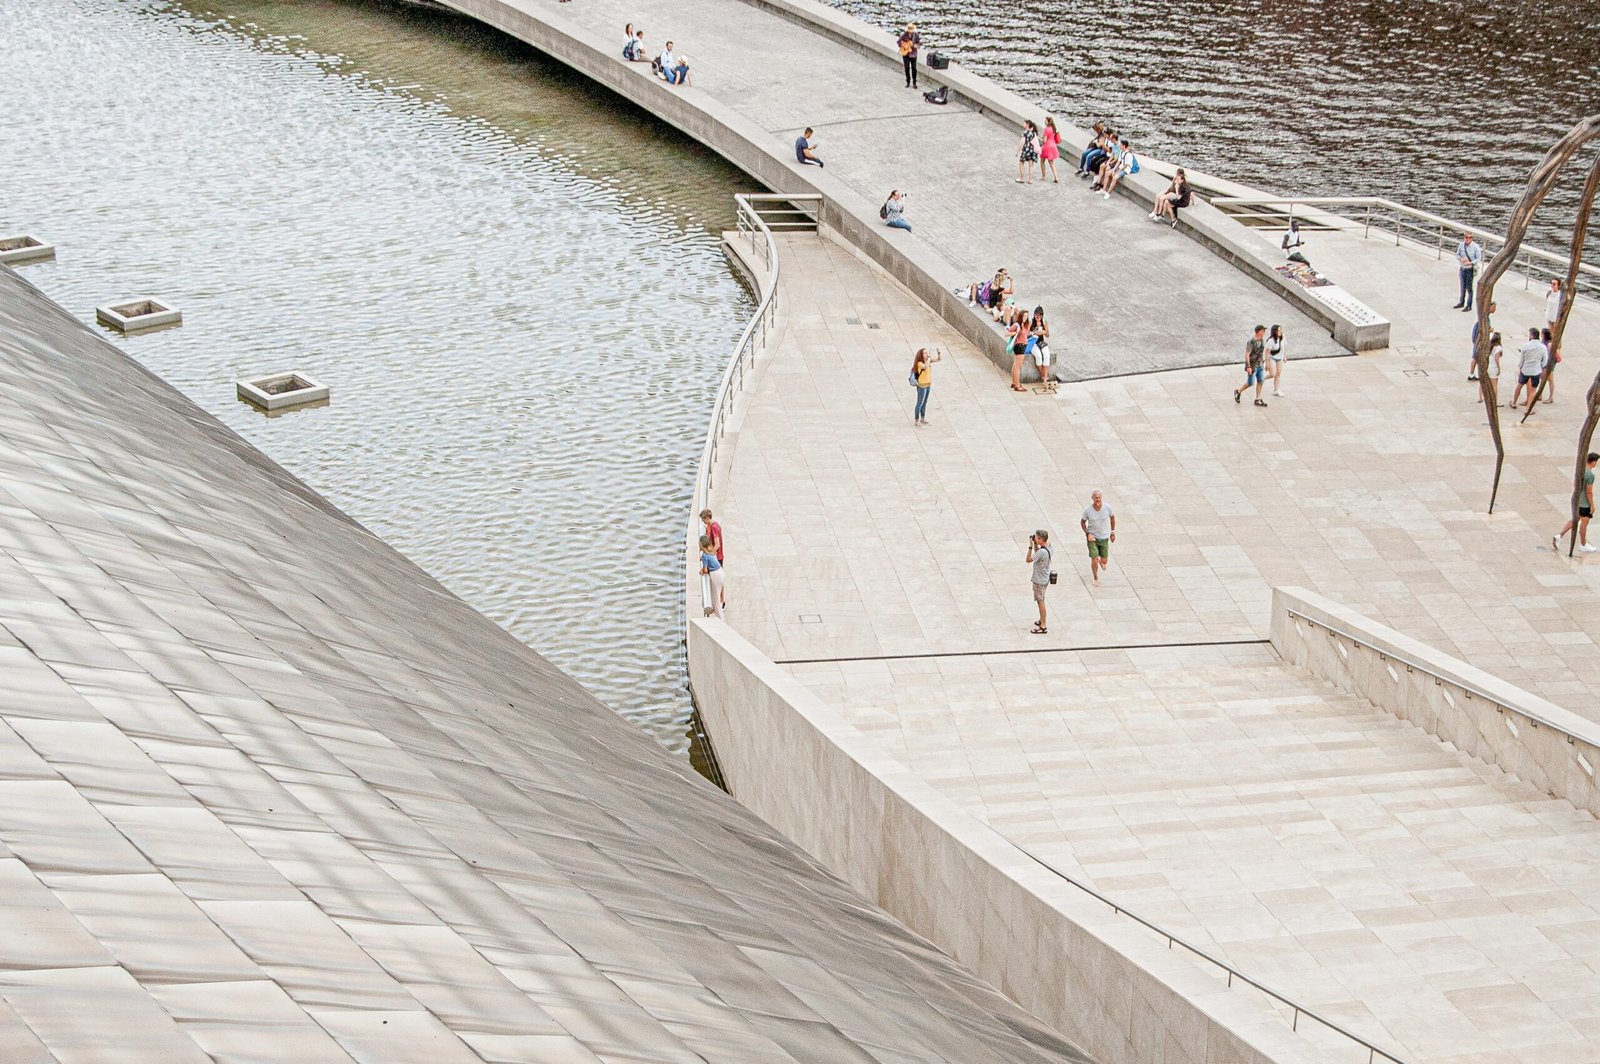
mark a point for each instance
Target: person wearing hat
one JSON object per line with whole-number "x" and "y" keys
{"x": 910, "y": 41}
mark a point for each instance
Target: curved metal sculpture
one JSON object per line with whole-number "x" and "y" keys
{"x": 1540, "y": 182}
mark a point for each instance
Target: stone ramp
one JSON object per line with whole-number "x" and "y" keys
{"x": 1124, "y": 295}
{"x": 1425, "y": 900}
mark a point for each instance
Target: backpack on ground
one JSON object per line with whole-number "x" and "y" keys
{"x": 941, "y": 95}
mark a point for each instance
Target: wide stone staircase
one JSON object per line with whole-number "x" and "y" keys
{"x": 1322, "y": 846}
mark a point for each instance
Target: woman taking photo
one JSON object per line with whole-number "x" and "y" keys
{"x": 922, "y": 377}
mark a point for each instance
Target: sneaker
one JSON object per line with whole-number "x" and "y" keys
{"x": 1555, "y": 543}
{"x": 1587, "y": 549}
{"x": 1277, "y": 395}
{"x": 1472, "y": 377}
{"x": 1104, "y": 193}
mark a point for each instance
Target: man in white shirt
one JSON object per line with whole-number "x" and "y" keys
{"x": 1469, "y": 256}
{"x": 1552, "y": 305}
{"x": 1532, "y": 357}
{"x": 1099, "y": 526}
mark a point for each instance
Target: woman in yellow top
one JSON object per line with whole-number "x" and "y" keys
{"x": 922, "y": 377}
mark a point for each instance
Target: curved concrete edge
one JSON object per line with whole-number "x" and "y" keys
{"x": 1479, "y": 713}
{"x": 1232, "y": 241}
{"x": 1097, "y": 978}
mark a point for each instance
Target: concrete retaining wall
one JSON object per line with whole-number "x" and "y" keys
{"x": 1480, "y": 714}
{"x": 1102, "y": 981}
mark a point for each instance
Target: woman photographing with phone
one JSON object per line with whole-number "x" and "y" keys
{"x": 922, "y": 380}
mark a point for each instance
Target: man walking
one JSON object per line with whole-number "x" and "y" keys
{"x": 1039, "y": 554}
{"x": 1099, "y": 526}
{"x": 1255, "y": 365}
{"x": 804, "y": 153}
{"x": 1469, "y": 256}
{"x": 910, "y": 43}
{"x": 1585, "y": 510}
{"x": 1532, "y": 358}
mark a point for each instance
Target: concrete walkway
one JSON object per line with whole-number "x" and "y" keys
{"x": 1433, "y": 904}
{"x": 1368, "y": 483}
{"x": 1123, "y": 295}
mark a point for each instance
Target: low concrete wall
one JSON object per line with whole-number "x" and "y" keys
{"x": 1480, "y": 714}
{"x": 1223, "y": 235}
{"x": 1097, "y": 978}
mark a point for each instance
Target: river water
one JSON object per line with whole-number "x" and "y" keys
{"x": 512, "y": 282}
{"x": 1442, "y": 104}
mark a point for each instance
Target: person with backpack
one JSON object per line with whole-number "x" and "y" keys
{"x": 922, "y": 381}
{"x": 910, "y": 41}
{"x": 893, "y": 211}
{"x": 1126, "y": 163}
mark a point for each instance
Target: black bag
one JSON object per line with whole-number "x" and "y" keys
{"x": 941, "y": 95}
{"x": 938, "y": 61}
{"x": 883, "y": 212}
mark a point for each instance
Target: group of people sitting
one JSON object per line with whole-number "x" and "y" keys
{"x": 1109, "y": 158}
{"x": 1106, "y": 160}
{"x": 671, "y": 67}
{"x": 1027, "y": 334}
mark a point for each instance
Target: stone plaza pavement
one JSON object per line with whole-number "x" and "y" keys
{"x": 1133, "y": 296}
{"x": 1431, "y": 903}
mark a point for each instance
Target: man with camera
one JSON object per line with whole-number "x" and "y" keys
{"x": 1039, "y": 554}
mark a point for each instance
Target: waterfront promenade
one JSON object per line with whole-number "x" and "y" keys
{"x": 1430, "y": 902}
{"x": 1123, "y": 295}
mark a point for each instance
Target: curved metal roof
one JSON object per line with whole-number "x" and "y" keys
{"x": 270, "y": 793}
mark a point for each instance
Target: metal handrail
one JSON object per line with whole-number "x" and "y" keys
{"x": 1421, "y": 227}
{"x": 1470, "y": 690}
{"x": 1373, "y": 1052}
{"x": 749, "y": 216}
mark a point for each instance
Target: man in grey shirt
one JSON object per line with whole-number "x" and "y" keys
{"x": 1099, "y": 526}
{"x": 1039, "y": 554}
{"x": 1469, "y": 256}
{"x": 1532, "y": 358}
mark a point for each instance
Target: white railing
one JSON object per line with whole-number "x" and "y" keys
{"x": 757, "y": 216}
{"x": 1406, "y": 223}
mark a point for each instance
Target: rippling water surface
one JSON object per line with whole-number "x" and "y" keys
{"x": 1443, "y": 104}
{"x": 511, "y": 281}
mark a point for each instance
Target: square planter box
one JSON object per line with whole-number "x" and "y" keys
{"x": 137, "y": 315}
{"x": 15, "y": 249}
{"x": 279, "y": 391}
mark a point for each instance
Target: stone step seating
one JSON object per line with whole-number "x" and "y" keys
{"x": 1336, "y": 853}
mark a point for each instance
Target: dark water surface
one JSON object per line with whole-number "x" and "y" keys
{"x": 1441, "y": 104}
{"x": 511, "y": 281}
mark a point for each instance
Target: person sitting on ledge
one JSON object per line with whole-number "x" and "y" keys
{"x": 1126, "y": 163}
{"x": 1174, "y": 199}
{"x": 894, "y": 211}
{"x": 804, "y": 153}
{"x": 1094, "y": 140}
{"x": 633, "y": 51}
{"x": 673, "y": 68}
{"x": 1099, "y": 151}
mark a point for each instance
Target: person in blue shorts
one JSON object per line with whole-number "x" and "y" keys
{"x": 1255, "y": 365}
